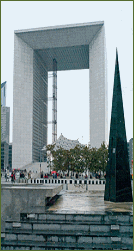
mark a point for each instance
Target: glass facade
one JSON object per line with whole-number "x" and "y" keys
{"x": 10, "y": 157}
{"x": 4, "y": 155}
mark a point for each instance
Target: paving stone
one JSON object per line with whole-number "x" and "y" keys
{"x": 7, "y": 248}
{"x": 8, "y": 225}
{"x": 42, "y": 216}
{"x": 69, "y": 227}
{"x": 131, "y": 219}
{"x": 49, "y": 238}
{"x": 123, "y": 218}
{"x": 70, "y": 239}
{"x": 17, "y": 224}
{"x": 127, "y": 240}
{"x": 61, "y": 239}
{"x": 32, "y": 216}
{"x": 94, "y": 218}
{"x": 54, "y": 238}
{"x": 26, "y": 226}
{"x": 36, "y": 248}
{"x": 55, "y": 217}
{"x": 69, "y": 217}
{"x": 102, "y": 240}
{"x": 99, "y": 228}
{"x": 109, "y": 218}
{"x": 46, "y": 226}
{"x": 30, "y": 237}
{"x": 116, "y": 239}
{"x": 84, "y": 239}
{"x": 2, "y": 235}
{"x": 127, "y": 229}
{"x": 115, "y": 227}
{"x": 10, "y": 237}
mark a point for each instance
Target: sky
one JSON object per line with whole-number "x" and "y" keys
{"x": 73, "y": 86}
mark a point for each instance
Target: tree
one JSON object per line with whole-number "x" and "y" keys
{"x": 67, "y": 160}
{"x": 86, "y": 157}
{"x": 94, "y": 163}
{"x": 58, "y": 159}
{"x": 50, "y": 148}
{"x": 80, "y": 158}
{"x": 78, "y": 163}
{"x": 103, "y": 156}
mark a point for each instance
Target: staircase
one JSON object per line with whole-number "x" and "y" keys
{"x": 35, "y": 167}
{"x": 66, "y": 231}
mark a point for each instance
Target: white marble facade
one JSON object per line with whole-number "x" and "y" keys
{"x": 5, "y": 124}
{"x": 80, "y": 46}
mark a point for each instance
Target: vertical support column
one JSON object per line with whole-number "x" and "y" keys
{"x": 54, "y": 106}
{"x": 98, "y": 109}
{"x": 40, "y": 83}
{"x": 22, "y": 104}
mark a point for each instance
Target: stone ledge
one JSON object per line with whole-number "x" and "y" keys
{"x": 67, "y": 233}
{"x": 86, "y": 246}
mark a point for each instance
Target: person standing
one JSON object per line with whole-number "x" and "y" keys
{"x": 6, "y": 177}
{"x": 13, "y": 177}
{"x": 42, "y": 175}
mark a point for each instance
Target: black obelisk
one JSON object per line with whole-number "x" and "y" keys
{"x": 118, "y": 182}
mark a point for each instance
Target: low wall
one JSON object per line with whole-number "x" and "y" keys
{"x": 18, "y": 199}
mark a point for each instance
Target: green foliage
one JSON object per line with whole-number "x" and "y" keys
{"x": 50, "y": 148}
{"x": 80, "y": 159}
{"x": 58, "y": 159}
{"x": 103, "y": 156}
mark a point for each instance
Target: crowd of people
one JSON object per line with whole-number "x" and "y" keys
{"x": 53, "y": 174}
{"x": 7, "y": 176}
{"x": 71, "y": 175}
{"x": 13, "y": 175}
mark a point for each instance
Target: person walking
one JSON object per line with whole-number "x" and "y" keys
{"x": 13, "y": 177}
{"x": 6, "y": 177}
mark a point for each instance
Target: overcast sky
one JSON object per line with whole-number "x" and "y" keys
{"x": 73, "y": 86}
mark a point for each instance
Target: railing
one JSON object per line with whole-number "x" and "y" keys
{"x": 67, "y": 181}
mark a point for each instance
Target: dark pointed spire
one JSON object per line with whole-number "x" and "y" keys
{"x": 116, "y": 55}
{"x": 118, "y": 183}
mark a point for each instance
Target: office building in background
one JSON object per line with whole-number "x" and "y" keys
{"x": 3, "y": 94}
{"x": 5, "y": 128}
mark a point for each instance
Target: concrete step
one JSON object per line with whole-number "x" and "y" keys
{"x": 12, "y": 232}
{"x": 69, "y": 231}
{"x": 114, "y": 226}
{"x": 82, "y": 243}
{"x": 95, "y": 218}
{"x": 69, "y": 226}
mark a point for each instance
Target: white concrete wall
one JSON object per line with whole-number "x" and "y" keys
{"x": 30, "y": 96}
{"x": 40, "y": 101}
{"x": 5, "y": 124}
{"x": 97, "y": 90}
{"x": 22, "y": 104}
